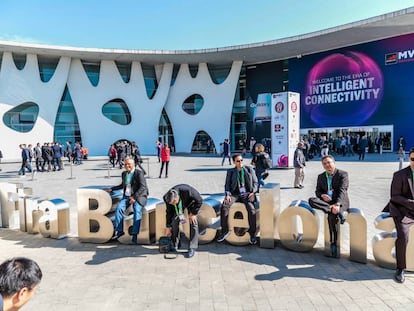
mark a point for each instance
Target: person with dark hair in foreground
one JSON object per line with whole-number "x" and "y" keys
{"x": 19, "y": 278}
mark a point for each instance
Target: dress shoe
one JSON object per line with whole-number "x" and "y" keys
{"x": 342, "y": 218}
{"x": 191, "y": 253}
{"x": 253, "y": 240}
{"x": 334, "y": 250}
{"x": 223, "y": 236}
{"x": 399, "y": 276}
{"x": 117, "y": 235}
{"x": 134, "y": 239}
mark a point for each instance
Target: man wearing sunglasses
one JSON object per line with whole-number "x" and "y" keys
{"x": 241, "y": 186}
{"x": 401, "y": 208}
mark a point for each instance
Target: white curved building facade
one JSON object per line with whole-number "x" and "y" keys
{"x": 19, "y": 86}
{"x": 99, "y": 96}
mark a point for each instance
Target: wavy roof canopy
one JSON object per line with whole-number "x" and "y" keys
{"x": 375, "y": 28}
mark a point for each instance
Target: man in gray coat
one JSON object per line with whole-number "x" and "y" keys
{"x": 299, "y": 164}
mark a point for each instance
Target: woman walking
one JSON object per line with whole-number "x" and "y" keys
{"x": 165, "y": 159}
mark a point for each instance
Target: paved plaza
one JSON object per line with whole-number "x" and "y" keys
{"x": 112, "y": 276}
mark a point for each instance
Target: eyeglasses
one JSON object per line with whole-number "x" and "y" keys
{"x": 326, "y": 163}
{"x": 242, "y": 160}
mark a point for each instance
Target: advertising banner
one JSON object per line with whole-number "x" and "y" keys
{"x": 285, "y": 114}
{"x": 366, "y": 84}
{"x": 261, "y": 81}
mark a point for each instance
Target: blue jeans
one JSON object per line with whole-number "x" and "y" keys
{"x": 119, "y": 215}
{"x": 25, "y": 165}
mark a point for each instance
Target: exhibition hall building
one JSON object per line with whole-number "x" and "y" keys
{"x": 353, "y": 79}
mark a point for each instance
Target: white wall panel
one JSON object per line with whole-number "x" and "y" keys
{"x": 97, "y": 131}
{"x": 215, "y": 116}
{"x": 20, "y": 86}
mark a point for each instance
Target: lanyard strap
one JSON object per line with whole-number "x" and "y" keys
{"x": 241, "y": 177}
{"x": 179, "y": 210}
{"x": 128, "y": 177}
{"x": 329, "y": 180}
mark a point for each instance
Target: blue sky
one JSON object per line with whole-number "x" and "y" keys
{"x": 177, "y": 24}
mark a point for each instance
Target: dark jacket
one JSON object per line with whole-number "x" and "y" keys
{"x": 138, "y": 185}
{"x": 340, "y": 184}
{"x": 232, "y": 184}
{"x": 190, "y": 200}
{"x": 402, "y": 194}
{"x": 259, "y": 161}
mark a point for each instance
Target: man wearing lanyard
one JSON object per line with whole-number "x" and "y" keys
{"x": 332, "y": 197}
{"x": 177, "y": 199}
{"x": 135, "y": 194}
{"x": 401, "y": 208}
{"x": 241, "y": 186}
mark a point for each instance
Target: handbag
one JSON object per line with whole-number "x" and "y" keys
{"x": 165, "y": 246}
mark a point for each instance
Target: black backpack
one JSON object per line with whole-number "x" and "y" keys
{"x": 266, "y": 161}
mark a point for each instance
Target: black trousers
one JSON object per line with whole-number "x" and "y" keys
{"x": 166, "y": 167}
{"x": 332, "y": 218}
{"x": 176, "y": 231}
{"x": 403, "y": 232}
{"x": 251, "y": 213}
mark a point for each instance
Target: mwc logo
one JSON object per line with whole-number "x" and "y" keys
{"x": 399, "y": 57}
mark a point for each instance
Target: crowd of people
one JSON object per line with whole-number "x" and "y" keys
{"x": 50, "y": 156}
{"x": 345, "y": 145}
{"x": 122, "y": 150}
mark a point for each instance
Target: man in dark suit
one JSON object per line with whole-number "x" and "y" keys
{"x": 241, "y": 186}
{"x": 135, "y": 190}
{"x": 401, "y": 208}
{"x": 332, "y": 197}
{"x": 177, "y": 199}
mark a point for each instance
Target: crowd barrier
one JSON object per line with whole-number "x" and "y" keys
{"x": 296, "y": 227}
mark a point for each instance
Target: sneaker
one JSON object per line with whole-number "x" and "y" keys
{"x": 223, "y": 236}
{"x": 253, "y": 240}
{"x": 134, "y": 239}
{"x": 117, "y": 235}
